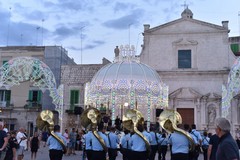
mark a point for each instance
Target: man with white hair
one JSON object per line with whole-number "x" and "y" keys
{"x": 227, "y": 147}
{"x": 3, "y": 142}
{"x": 20, "y": 138}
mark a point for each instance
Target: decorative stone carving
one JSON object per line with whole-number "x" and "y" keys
{"x": 211, "y": 114}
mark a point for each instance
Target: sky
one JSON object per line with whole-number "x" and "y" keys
{"x": 90, "y": 29}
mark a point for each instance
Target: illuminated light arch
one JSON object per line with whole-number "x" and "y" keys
{"x": 21, "y": 69}
{"x": 232, "y": 88}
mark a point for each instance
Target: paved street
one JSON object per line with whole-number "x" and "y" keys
{"x": 43, "y": 155}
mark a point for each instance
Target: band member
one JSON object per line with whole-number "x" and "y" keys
{"x": 55, "y": 148}
{"x": 98, "y": 152}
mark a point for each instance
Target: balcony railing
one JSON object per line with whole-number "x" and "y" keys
{"x": 33, "y": 104}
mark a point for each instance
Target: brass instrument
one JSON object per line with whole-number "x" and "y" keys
{"x": 131, "y": 120}
{"x": 90, "y": 118}
{"x": 169, "y": 119}
{"x": 45, "y": 122}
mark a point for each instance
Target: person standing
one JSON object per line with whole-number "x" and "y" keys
{"x": 87, "y": 142}
{"x": 98, "y": 152}
{"x": 227, "y": 147}
{"x": 212, "y": 148}
{"x": 125, "y": 147}
{"x": 198, "y": 145}
{"x": 154, "y": 143}
{"x": 66, "y": 136}
{"x": 205, "y": 144}
{"x": 3, "y": 141}
{"x": 34, "y": 145}
{"x": 113, "y": 143}
{"x": 180, "y": 146}
{"x": 163, "y": 145}
{"x": 55, "y": 148}
{"x": 44, "y": 138}
{"x": 139, "y": 150}
{"x": 11, "y": 153}
{"x": 72, "y": 141}
{"x": 20, "y": 138}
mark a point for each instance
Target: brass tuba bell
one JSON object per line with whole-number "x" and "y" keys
{"x": 169, "y": 119}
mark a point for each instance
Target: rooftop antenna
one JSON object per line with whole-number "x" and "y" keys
{"x": 129, "y": 25}
{"x": 8, "y": 25}
{"x": 42, "y": 31}
{"x": 81, "y": 40}
{"x": 37, "y": 28}
{"x": 21, "y": 38}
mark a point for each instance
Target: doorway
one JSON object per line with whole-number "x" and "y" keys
{"x": 187, "y": 115}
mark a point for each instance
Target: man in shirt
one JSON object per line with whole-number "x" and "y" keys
{"x": 154, "y": 143}
{"x": 21, "y": 137}
{"x": 227, "y": 147}
{"x": 139, "y": 150}
{"x": 125, "y": 145}
{"x": 88, "y": 144}
{"x": 3, "y": 142}
{"x": 180, "y": 146}
{"x": 98, "y": 152}
{"x": 72, "y": 141}
{"x": 55, "y": 148}
{"x": 113, "y": 143}
{"x": 212, "y": 148}
{"x": 197, "y": 134}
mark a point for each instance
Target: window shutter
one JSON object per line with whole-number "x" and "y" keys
{"x": 76, "y": 97}
{"x": 30, "y": 95}
{"x": 39, "y": 96}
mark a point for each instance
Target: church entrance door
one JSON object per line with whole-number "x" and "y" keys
{"x": 187, "y": 115}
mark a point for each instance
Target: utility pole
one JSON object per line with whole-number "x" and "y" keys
{"x": 81, "y": 41}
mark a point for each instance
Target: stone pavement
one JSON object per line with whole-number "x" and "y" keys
{"x": 43, "y": 155}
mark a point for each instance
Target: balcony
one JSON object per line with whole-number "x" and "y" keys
{"x": 33, "y": 105}
{"x": 6, "y": 105}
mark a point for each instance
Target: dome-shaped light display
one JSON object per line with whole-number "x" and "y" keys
{"x": 127, "y": 81}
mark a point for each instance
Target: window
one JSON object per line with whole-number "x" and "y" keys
{"x": 74, "y": 98}
{"x": 5, "y": 97}
{"x": 34, "y": 98}
{"x": 4, "y": 61}
{"x": 184, "y": 59}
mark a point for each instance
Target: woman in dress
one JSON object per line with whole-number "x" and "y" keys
{"x": 34, "y": 145}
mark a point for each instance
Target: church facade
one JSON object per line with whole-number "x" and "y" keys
{"x": 193, "y": 58}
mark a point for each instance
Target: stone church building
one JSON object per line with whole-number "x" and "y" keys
{"x": 192, "y": 57}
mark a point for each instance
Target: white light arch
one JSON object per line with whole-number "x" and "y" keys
{"x": 21, "y": 69}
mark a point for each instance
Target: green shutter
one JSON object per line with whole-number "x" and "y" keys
{"x": 8, "y": 97}
{"x": 39, "y": 96}
{"x": 74, "y": 98}
{"x": 30, "y": 95}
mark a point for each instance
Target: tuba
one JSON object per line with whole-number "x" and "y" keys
{"x": 45, "y": 122}
{"x": 131, "y": 120}
{"x": 169, "y": 119}
{"x": 90, "y": 119}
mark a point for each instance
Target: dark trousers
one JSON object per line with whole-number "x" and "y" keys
{"x": 126, "y": 153}
{"x": 89, "y": 154}
{"x": 98, "y": 155}
{"x": 112, "y": 153}
{"x": 205, "y": 153}
{"x": 154, "y": 149}
{"x": 55, "y": 154}
{"x": 180, "y": 156}
{"x": 135, "y": 155}
{"x": 162, "y": 151}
